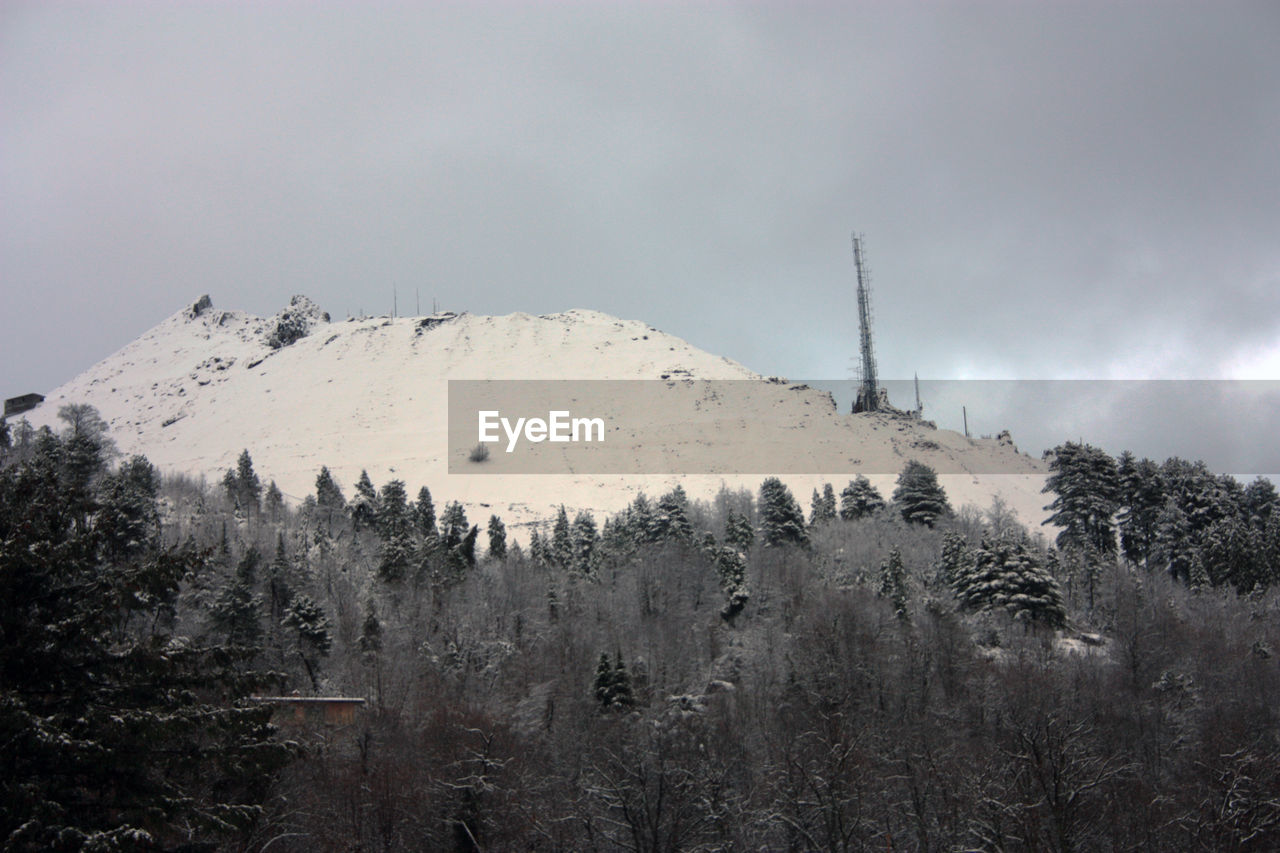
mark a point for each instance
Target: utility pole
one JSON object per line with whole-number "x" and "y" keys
{"x": 394, "y": 306}
{"x": 965, "y": 412}
{"x": 868, "y": 399}
{"x": 919, "y": 407}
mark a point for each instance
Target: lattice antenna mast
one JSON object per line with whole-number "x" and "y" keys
{"x": 868, "y": 398}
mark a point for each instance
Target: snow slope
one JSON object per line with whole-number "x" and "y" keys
{"x": 371, "y": 393}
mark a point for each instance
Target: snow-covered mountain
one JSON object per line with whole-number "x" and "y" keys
{"x": 301, "y": 391}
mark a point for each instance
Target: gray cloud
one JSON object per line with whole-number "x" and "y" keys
{"x": 1073, "y": 190}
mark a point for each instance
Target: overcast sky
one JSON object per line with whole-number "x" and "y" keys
{"x": 1074, "y": 190}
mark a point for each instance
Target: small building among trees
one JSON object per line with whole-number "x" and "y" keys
{"x": 23, "y": 403}
{"x": 313, "y": 711}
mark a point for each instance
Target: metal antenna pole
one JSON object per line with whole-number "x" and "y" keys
{"x": 868, "y": 399}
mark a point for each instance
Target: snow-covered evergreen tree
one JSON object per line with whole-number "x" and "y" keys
{"x": 497, "y": 538}
{"x": 237, "y": 611}
{"x": 1007, "y": 575}
{"x": 395, "y": 533}
{"x": 310, "y": 626}
{"x": 1141, "y": 500}
{"x": 1260, "y": 501}
{"x": 1086, "y": 483}
{"x": 248, "y": 486}
{"x": 918, "y": 496}
{"x": 640, "y": 519}
{"x": 117, "y": 733}
{"x": 584, "y": 539}
{"x": 781, "y": 519}
{"x": 893, "y": 583}
{"x": 822, "y": 506}
{"x": 860, "y": 499}
{"x": 331, "y": 506}
{"x": 457, "y": 539}
{"x": 738, "y": 532}
{"x": 424, "y": 515}
{"x": 670, "y": 519}
{"x": 127, "y": 517}
{"x": 562, "y": 540}
{"x": 364, "y": 503}
{"x": 273, "y": 502}
{"x": 954, "y": 558}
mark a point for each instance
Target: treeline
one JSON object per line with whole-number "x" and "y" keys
{"x": 1178, "y": 517}
{"x": 888, "y": 672}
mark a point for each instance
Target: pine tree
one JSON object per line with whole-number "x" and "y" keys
{"x": 395, "y": 533}
{"x": 953, "y": 559}
{"x": 248, "y": 486}
{"x": 279, "y": 585}
{"x": 238, "y": 607}
{"x": 738, "y": 532}
{"x": 1174, "y": 546}
{"x": 457, "y": 541}
{"x": 1233, "y": 552}
{"x": 781, "y": 519}
{"x": 893, "y": 583}
{"x": 1006, "y": 575}
{"x": 822, "y": 506}
{"x": 538, "y": 549}
{"x": 424, "y": 515}
{"x": 273, "y": 502}
{"x": 370, "y": 645}
{"x": 1197, "y": 576}
{"x": 1141, "y": 499}
{"x": 1203, "y": 497}
{"x": 830, "y": 508}
{"x": 1270, "y": 556}
{"x": 364, "y": 504}
{"x": 370, "y": 639}
{"x": 331, "y": 504}
{"x": 117, "y": 733}
{"x": 1260, "y": 501}
{"x": 623, "y": 696}
{"x": 584, "y": 540}
{"x": 612, "y": 684}
{"x": 859, "y": 499}
{"x": 128, "y": 519}
{"x": 231, "y": 485}
{"x": 603, "y": 684}
{"x": 918, "y": 496}
{"x": 553, "y": 604}
{"x": 84, "y": 453}
{"x": 670, "y": 520}
{"x": 640, "y": 519}
{"x": 311, "y": 627}
{"x": 497, "y": 538}
{"x": 562, "y": 540}
{"x": 1087, "y": 484}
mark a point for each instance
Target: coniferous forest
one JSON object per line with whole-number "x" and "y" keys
{"x": 881, "y": 672}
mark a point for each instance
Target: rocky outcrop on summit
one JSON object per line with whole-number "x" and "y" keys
{"x": 295, "y": 321}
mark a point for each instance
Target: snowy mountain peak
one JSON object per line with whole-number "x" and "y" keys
{"x": 301, "y": 391}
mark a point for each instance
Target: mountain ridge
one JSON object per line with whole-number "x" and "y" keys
{"x": 300, "y": 390}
